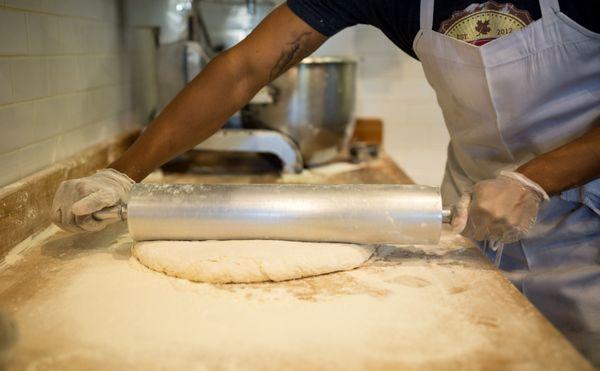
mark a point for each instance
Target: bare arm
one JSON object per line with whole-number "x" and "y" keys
{"x": 573, "y": 164}
{"x": 221, "y": 89}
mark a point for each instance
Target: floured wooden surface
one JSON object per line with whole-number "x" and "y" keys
{"x": 83, "y": 302}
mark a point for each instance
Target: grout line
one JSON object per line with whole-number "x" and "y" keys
{"x": 57, "y": 136}
{"x": 28, "y": 34}
{"x": 61, "y": 55}
{"x": 96, "y": 20}
{"x": 63, "y": 94}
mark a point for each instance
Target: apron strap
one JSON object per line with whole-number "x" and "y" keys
{"x": 427, "y": 14}
{"x": 549, "y": 7}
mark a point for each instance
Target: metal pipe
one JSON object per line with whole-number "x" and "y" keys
{"x": 206, "y": 41}
{"x": 358, "y": 213}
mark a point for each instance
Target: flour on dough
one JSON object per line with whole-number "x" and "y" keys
{"x": 248, "y": 260}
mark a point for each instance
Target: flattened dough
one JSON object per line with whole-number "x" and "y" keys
{"x": 249, "y": 260}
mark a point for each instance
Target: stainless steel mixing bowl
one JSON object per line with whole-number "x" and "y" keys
{"x": 314, "y": 105}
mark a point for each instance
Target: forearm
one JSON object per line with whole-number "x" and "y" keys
{"x": 223, "y": 87}
{"x": 192, "y": 116}
{"x": 573, "y": 164}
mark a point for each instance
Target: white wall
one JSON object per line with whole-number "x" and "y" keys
{"x": 64, "y": 80}
{"x": 391, "y": 85}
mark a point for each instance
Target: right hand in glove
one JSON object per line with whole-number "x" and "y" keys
{"x": 499, "y": 210}
{"x": 76, "y": 200}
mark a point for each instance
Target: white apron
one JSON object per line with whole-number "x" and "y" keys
{"x": 505, "y": 103}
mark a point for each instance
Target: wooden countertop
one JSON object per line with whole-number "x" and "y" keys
{"x": 82, "y": 302}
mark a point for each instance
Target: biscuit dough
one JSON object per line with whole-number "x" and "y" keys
{"x": 249, "y": 260}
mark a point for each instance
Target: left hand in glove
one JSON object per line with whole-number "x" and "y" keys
{"x": 501, "y": 210}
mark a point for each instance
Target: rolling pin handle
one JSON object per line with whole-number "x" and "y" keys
{"x": 118, "y": 212}
{"x": 447, "y": 216}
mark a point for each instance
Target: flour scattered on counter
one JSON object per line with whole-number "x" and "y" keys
{"x": 108, "y": 310}
{"x": 306, "y": 176}
{"x": 17, "y": 252}
{"x": 319, "y": 174}
{"x": 85, "y": 303}
{"x": 336, "y": 168}
{"x": 157, "y": 176}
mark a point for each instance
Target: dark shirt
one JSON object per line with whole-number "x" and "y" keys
{"x": 473, "y": 21}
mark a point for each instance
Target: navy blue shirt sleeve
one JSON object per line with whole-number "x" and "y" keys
{"x": 398, "y": 20}
{"x": 327, "y": 16}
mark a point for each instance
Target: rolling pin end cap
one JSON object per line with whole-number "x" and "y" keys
{"x": 118, "y": 212}
{"x": 447, "y": 216}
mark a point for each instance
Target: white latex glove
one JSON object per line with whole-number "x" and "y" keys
{"x": 76, "y": 200}
{"x": 499, "y": 210}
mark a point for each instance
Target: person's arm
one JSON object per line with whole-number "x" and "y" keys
{"x": 505, "y": 209}
{"x": 573, "y": 164}
{"x": 221, "y": 89}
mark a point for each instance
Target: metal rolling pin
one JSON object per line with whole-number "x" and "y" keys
{"x": 356, "y": 213}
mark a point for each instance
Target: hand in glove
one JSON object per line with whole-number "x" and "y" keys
{"x": 76, "y": 200}
{"x": 500, "y": 210}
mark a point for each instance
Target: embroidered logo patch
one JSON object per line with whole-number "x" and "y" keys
{"x": 479, "y": 24}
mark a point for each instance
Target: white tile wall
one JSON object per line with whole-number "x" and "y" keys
{"x": 28, "y": 78}
{"x": 43, "y": 33}
{"x": 392, "y": 86}
{"x": 37, "y": 156}
{"x": 105, "y": 10}
{"x": 16, "y": 126}
{"x": 10, "y": 167}
{"x": 13, "y": 33}
{"x": 64, "y": 75}
{"x": 69, "y": 31}
{"x": 26, "y": 4}
{"x": 51, "y": 116}
{"x": 64, "y": 81}
{"x": 5, "y": 84}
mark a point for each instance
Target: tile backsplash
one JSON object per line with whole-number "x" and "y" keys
{"x": 65, "y": 80}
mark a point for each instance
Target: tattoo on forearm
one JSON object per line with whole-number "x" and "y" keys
{"x": 288, "y": 55}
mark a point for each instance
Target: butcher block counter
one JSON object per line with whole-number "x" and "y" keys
{"x": 82, "y": 302}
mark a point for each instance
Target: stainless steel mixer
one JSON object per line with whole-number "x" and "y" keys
{"x": 313, "y": 104}
{"x": 305, "y": 117}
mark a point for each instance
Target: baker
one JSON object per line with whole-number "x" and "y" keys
{"x": 519, "y": 86}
